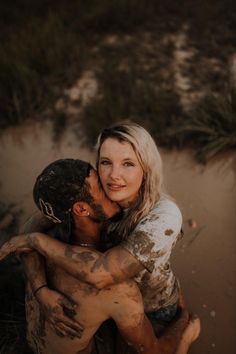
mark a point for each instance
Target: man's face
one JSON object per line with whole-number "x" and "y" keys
{"x": 103, "y": 208}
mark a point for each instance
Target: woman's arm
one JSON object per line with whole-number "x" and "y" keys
{"x": 33, "y": 263}
{"x": 98, "y": 269}
{"x": 52, "y": 303}
{"x": 34, "y": 269}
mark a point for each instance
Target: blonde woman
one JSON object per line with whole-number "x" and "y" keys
{"x": 130, "y": 170}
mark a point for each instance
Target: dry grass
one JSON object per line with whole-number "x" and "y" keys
{"x": 210, "y": 128}
{"x": 44, "y": 48}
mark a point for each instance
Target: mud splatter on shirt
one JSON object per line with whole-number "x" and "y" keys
{"x": 151, "y": 243}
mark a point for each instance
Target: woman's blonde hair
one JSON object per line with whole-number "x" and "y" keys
{"x": 151, "y": 163}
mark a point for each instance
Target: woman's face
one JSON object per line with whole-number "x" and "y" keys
{"x": 120, "y": 171}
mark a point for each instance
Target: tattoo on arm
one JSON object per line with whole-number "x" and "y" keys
{"x": 69, "y": 251}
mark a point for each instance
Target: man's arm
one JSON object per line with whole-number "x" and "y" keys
{"x": 127, "y": 310}
{"x": 142, "y": 337}
{"x": 98, "y": 269}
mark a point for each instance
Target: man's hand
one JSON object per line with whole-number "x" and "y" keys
{"x": 59, "y": 312}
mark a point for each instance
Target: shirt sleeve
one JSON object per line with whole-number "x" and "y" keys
{"x": 153, "y": 238}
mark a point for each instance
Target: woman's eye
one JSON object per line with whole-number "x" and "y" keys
{"x": 128, "y": 164}
{"x": 104, "y": 162}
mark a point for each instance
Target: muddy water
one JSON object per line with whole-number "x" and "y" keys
{"x": 24, "y": 152}
{"x": 204, "y": 260}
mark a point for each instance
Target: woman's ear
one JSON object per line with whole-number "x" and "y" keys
{"x": 80, "y": 209}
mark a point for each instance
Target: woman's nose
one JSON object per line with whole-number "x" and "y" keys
{"x": 115, "y": 172}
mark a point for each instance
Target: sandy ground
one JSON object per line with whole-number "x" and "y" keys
{"x": 204, "y": 259}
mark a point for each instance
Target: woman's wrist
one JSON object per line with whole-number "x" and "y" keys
{"x": 29, "y": 239}
{"x": 39, "y": 288}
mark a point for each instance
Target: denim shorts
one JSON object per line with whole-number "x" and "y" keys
{"x": 164, "y": 315}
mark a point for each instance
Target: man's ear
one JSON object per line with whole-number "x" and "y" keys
{"x": 80, "y": 209}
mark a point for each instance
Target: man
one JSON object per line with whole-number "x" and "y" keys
{"x": 56, "y": 193}
{"x": 61, "y": 192}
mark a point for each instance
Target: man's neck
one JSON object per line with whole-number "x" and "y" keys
{"x": 86, "y": 232}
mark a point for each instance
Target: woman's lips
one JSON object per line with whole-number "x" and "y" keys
{"x": 115, "y": 187}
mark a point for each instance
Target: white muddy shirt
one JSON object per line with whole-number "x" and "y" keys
{"x": 151, "y": 243}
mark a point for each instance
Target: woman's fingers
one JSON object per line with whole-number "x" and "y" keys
{"x": 69, "y": 309}
{"x": 66, "y": 329}
{"x": 17, "y": 244}
{"x": 6, "y": 249}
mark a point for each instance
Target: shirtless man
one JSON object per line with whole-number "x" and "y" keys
{"x": 56, "y": 196}
{"x": 122, "y": 302}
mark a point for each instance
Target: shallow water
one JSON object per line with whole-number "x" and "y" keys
{"x": 204, "y": 259}
{"x": 24, "y": 152}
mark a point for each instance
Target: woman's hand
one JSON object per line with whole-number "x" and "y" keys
{"x": 57, "y": 308}
{"x": 17, "y": 244}
{"x": 59, "y": 311}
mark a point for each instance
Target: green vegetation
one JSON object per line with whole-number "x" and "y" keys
{"x": 210, "y": 128}
{"x": 46, "y": 47}
{"x": 128, "y": 96}
{"x": 34, "y": 59}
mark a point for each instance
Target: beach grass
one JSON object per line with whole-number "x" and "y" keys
{"x": 44, "y": 49}
{"x": 210, "y": 128}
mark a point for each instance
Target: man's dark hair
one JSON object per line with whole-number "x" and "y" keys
{"x": 60, "y": 185}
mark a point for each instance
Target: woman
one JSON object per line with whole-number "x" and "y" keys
{"x": 130, "y": 171}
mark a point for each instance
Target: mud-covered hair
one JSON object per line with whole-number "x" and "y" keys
{"x": 59, "y": 186}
